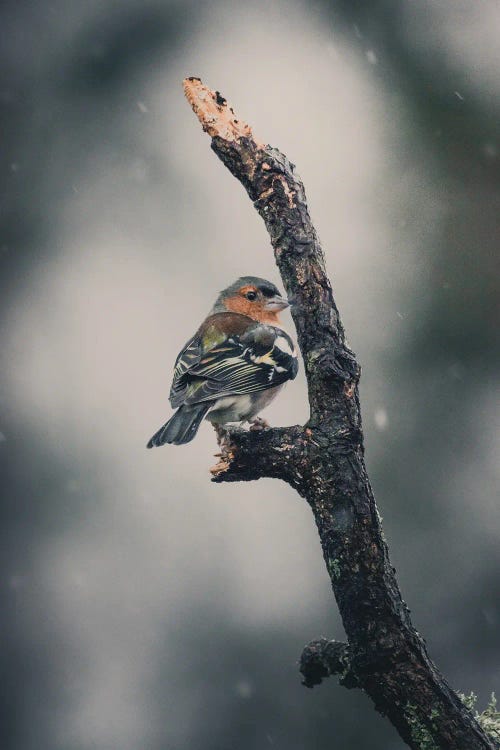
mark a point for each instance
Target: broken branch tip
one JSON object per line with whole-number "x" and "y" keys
{"x": 212, "y": 110}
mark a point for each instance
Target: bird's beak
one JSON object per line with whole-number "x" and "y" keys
{"x": 276, "y": 303}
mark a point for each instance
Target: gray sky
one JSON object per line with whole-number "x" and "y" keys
{"x": 145, "y": 226}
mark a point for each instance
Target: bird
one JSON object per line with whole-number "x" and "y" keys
{"x": 235, "y": 364}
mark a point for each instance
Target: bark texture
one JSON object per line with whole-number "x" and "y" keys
{"x": 323, "y": 461}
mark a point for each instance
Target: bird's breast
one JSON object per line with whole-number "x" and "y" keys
{"x": 241, "y": 408}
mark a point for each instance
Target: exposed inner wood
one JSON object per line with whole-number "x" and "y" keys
{"x": 214, "y": 113}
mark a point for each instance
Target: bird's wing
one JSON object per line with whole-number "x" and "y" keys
{"x": 189, "y": 356}
{"x": 211, "y": 334}
{"x": 261, "y": 358}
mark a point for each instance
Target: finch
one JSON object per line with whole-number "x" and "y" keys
{"x": 235, "y": 364}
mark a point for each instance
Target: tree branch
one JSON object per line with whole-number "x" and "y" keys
{"x": 323, "y": 461}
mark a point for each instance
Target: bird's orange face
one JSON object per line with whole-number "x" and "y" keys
{"x": 256, "y": 303}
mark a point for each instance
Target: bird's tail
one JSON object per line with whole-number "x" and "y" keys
{"x": 181, "y": 427}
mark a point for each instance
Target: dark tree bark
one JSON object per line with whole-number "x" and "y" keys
{"x": 323, "y": 460}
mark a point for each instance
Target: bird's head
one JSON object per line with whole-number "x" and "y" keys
{"x": 257, "y": 298}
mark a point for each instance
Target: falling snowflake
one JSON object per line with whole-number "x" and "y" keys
{"x": 381, "y": 419}
{"x": 244, "y": 689}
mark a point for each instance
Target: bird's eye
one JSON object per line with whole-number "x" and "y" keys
{"x": 251, "y": 296}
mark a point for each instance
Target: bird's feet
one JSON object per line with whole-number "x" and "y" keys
{"x": 258, "y": 424}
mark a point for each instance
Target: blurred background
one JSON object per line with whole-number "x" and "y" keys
{"x": 131, "y": 617}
